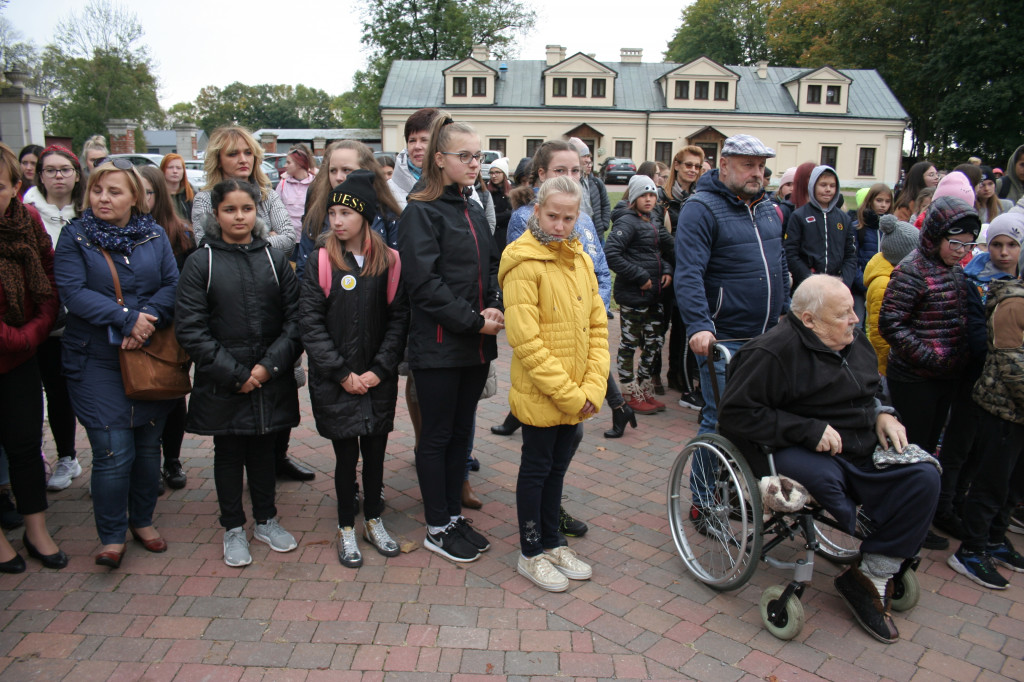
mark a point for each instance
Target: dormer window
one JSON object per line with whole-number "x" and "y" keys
{"x": 700, "y": 90}
{"x": 558, "y": 88}
{"x": 579, "y": 87}
{"x": 597, "y": 87}
{"x": 833, "y": 94}
{"x": 682, "y": 89}
{"x": 459, "y": 86}
{"x": 814, "y": 94}
{"x": 479, "y": 87}
{"x": 722, "y": 92}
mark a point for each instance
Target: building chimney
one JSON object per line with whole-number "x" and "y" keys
{"x": 122, "y": 135}
{"x": 269, "y": 142}
{"x": 762, "y": 69}
{"x": 502, "y": 70}
{"x": 631, "y": 55}
{"x": 481, "y": 53}
{"x": 555, "y": 54}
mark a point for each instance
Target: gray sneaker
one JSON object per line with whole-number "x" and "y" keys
{"x": 236, "y": 547}
{"x": 67, "y": 469}
{"x": 274, "y": 535}
{"x": 375, "y": 533}
{"x": 348, "y": 550}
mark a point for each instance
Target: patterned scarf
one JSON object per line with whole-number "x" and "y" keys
{"x": 22, "y": 242}
{"x": 114, "y": 238}
{"x": 533, "y": 225}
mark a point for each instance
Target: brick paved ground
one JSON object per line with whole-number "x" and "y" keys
{"x": 301, "y": 616}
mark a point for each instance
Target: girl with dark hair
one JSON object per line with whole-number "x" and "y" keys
{"x": 58, "y": 196}
{"x": 355, "y": 320}
{"x": 238, "y": 309}
{"x": 29, "y": 158}
{"x": 921, "y": 175}
{"x": 450, "y": 266}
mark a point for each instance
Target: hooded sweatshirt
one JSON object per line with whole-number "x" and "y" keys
{"x": 820, "y": 239}
{"x": 1010, "y": 186}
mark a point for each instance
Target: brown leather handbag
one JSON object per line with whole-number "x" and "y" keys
{"x": 158, "y": 370}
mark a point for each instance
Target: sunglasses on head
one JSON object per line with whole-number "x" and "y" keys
{"x": 119, "y": 163}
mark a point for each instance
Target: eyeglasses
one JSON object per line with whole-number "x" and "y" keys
{"x": 957, "y": 245}
{"x": 65, "y": 172}
{"x": 466, "y": 157}
{"x": 691, "y": 166}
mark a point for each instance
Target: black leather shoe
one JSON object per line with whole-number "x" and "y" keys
{"x": 173, "y": 474}
{"x": 289, "y": 468}
{"x": 57, "y": 560}
{"x": 621, "y": 416}
{"x": 14, "y": 565}
{"x": 859, "y": 593}
{"x": 934, "y": 541}
{"x": 508, "y": 427}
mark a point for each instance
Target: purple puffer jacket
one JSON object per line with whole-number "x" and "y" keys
{"x": 924, "y": 312}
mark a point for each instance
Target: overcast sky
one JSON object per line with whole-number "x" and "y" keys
{"x": 195, "y": 43}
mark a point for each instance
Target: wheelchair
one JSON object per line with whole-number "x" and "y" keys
{"x": 723, "y": 539}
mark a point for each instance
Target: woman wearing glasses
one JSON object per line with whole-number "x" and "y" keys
{"x": 57, "y": 195}
{"x": 124, "y": 433}
{"x": 450, "y": 267}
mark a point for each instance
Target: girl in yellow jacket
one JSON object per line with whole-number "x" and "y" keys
{"x": 558, "y": 329}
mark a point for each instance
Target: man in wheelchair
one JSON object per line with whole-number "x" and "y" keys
{"x": 808, "y": 390}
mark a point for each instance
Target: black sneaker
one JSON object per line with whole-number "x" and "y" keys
{"x": 933, "y": 541}
{"x": 978, "y": 567}
{"x": 567, "y": 525}
{"x": 173, "y": 474}
{"x": 451, "y": 544}
{"x": 464, "y": 526}
{"x": 9, "y": 516}
{"x": 1005, "y": 555}
{"x": 1017, "y": 520}
{"x": 859, "y": 593}
{"x": 949, "y": 523}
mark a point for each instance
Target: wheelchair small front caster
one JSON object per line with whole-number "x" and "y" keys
{"x": 784, "y": 623}
{"x": 906, "y": 591}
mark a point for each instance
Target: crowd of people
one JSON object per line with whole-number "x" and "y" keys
{"x": 414, "y": 266}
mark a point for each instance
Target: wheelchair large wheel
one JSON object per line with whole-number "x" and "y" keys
{"x": 720, "y": 540}
{"x": 836, "y": 545}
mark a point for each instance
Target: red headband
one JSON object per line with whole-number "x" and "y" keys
{"x": 62, "y": 150}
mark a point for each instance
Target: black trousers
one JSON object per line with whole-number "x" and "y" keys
{"x": 998, "y": 482}
{"x": 255, "y": 456}
{"x": 174, "y": 430}
{"x": 21, "y": 434}
{"x": 447, "y": 399}
{"x": 346, "y": 453}
{"x": 923, "y": 408}
{"x": 547, "y": 452}
{"x": 58, "y": 402}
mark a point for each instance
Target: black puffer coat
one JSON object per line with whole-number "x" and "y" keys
{"x": 238, "y": 306}
{"x": 352, "y": 330}
{"x": 450, "y": 270}
{"x": 637, "y": 251}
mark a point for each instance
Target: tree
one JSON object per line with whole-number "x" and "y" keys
{"x": 728, "y": 31}
{"x": 258, "y": 106}
{"x": 428, "y": 29}
{"x": 97, "y": 69}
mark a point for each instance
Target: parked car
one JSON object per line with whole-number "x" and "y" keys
{"x": 140, "y": 159}
{"x": 277, "y": 161}
{"x": 617, "y": 170}
{"x": 196, "y": 173}
{"x": 489, "y": 157}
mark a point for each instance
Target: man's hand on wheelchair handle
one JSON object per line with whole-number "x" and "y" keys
{"x": 890, "y": 432}
{"x": 830, "y": 441}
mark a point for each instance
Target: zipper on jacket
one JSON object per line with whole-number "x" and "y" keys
{"x": 479, "y": 270}
{"x": 767, "y": 272}
{"x": 824, "y": 221}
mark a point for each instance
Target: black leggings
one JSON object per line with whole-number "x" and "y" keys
{"x": 174, "y": 431}
{"x": 346, "y": 453}
{"x": 447, "y": 399}
{"x": 923, "y": 408}
{"x": 58, "y": 402}
{"x": 21, "y": 435}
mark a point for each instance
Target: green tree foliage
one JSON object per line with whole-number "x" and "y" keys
{"x": 427, "y": 29}
{"x": 728, "y": 31}
{"x": 258, "y": 106}
{"x": 97, "y": 69}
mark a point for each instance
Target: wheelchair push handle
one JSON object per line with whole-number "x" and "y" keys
{"x": 719, "y": 351}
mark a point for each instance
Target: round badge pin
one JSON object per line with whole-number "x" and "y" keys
{"x": 348, "y": 282}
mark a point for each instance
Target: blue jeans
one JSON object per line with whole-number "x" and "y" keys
{"x": 125, "y": 478}
{"x": 703, "y": 469}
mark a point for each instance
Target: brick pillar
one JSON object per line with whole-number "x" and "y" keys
{"x": 319, "y": 145}
{"x": 269, "y": 142}
{"x": 185, "y": 140}
{"x": 122, "y": 135}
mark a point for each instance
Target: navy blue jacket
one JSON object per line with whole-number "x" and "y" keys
{"x": 731, "y": 277}
{"x": 149, "y": 278}
{"x": 867, "y": 246}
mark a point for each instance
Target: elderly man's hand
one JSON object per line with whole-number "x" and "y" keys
{"x": 890, "y": 432}
{"x": 830, "y": 442}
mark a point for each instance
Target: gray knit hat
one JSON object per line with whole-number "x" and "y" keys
{"x": 897, "y": 238}
{"x": 640, "y": 185}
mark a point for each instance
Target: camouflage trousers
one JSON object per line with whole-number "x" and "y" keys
{"x": 642, "y": 328}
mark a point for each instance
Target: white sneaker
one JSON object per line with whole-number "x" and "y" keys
{"x": 567, "y": 563}
{"x": 274, "y": 535}
{"x": 67, "y": 469}
{"x": 236, "y": 547}
{"x": 542, "y": 573}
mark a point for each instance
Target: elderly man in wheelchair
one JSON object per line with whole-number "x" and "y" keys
{"x": 802, "y": 400}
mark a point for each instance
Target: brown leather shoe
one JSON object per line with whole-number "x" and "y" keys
{"x": 469, "y": 498}
{"x": 155, "y": 545}
{"x": 110, "y": 558}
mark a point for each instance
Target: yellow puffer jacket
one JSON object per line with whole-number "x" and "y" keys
{"x": 558, "y": 329}
{"x": 876, "y": 278}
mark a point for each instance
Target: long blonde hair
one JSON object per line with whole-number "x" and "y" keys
{"x": 376, "y": 254}
{"x": 227, "y": 138}
{"x": 441, "y": 131}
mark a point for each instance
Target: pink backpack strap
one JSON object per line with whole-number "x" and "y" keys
{"x": 394, "y": 274}
{"x": 778, "y": 212}
{"x": 324, "y": 263}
